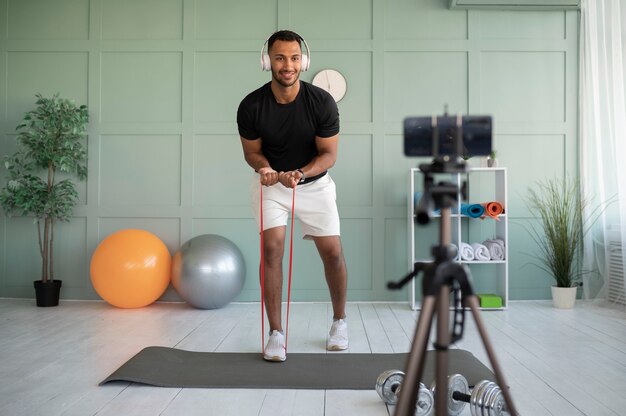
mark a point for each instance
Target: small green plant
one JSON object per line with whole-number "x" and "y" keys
{"x": 49, "y": 141}
{"x": 559, "y": 239}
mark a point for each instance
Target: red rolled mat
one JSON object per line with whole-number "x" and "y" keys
{"x": 493, "y": 209}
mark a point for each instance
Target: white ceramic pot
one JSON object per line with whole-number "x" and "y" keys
{"x": 563, "y": 297}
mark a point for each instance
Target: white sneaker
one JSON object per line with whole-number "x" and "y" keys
{"x": 338, "y": 339}
{"x": 275, "y": 349}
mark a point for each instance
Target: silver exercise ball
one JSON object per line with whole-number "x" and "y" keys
{"x": 208, "y": 271}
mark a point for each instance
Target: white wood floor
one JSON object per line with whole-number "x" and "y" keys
{"x": 52, "y": 359}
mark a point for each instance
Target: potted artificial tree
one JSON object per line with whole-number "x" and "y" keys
{"x": 559, "y": 239}
{"x": 50, "y": 140}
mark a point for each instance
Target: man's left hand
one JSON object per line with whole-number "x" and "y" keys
{"x": 290, "y": 179}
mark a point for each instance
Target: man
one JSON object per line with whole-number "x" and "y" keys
{"x": 289, "y": 131}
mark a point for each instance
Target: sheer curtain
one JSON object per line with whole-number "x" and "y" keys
{"x": 603, "y": 147}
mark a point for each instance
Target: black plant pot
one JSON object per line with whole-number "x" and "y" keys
{"x": 47, "y": 293}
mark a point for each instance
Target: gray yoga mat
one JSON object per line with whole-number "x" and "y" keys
{"x": 169, "y": 367}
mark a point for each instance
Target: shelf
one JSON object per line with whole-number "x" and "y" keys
{"x": 465, "y": 261}
{"x": 418, "y": 306}
{"x": 483, "y": 185}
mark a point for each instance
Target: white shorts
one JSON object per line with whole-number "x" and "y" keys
{"x": 315, "y": 207}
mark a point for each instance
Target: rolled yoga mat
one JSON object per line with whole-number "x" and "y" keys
{"x": 472, "y": 210}
{"x": 493, "y": 209}
{"x": 170, "y": 367}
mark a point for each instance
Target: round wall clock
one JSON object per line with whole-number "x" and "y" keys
{"x": 331, "y": 81}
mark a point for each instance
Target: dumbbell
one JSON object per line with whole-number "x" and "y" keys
{"x": 486, "y": 399}
{"x": 389, "y": 384}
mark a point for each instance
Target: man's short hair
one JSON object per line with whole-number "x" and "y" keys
{"x": 285, "y": 36}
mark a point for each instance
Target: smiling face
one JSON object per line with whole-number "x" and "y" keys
{"x": 286, "y": 60}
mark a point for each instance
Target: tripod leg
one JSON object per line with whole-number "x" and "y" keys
{"x": 443, "y": 342}
{"x": 415, "y": 363}
{"x": 472, "y": 302}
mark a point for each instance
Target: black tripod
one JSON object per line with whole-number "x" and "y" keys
{"x": 441, "y": 277}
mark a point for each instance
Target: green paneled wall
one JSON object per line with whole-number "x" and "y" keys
{"x": 163, "y": 78}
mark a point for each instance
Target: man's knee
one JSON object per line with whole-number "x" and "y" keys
{"x": 273, "y": 251}
{"x": 332, "y": 256}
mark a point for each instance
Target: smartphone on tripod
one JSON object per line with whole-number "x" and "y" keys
{"x": 449, "y": 140}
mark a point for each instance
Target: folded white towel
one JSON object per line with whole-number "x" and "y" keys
{"x": 497, "y": 240}
{"x": 456, "y": 255}
{"x": 481, "y": 252}
{"x": 496, "y": 248}
{"x": 467, "y": 252}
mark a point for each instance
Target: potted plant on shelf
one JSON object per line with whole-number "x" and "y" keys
{"x": 49, "y": 141}
{"x": 491, "y": 159}
{"x": 559, "y": 239}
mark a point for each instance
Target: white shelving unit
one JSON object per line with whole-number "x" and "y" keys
{"x": 483, "y": 185}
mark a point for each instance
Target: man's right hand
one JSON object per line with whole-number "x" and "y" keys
{"x": 268, "y": 176}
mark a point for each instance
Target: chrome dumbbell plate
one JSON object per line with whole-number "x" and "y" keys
{"x": 456, "y": 382}
{"x": 388, "y": 384}
{"x": 425, "y": 401}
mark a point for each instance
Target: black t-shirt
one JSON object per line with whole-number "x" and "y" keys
{"x": 288, "y": 131}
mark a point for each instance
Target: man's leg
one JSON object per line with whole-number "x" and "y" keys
{"x": 337, "y": 279}
{"x": 331, "y": 252}
{"x": 274, "y": 244}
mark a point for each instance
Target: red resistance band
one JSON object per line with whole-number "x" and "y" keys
{"x": 262, "y": 271}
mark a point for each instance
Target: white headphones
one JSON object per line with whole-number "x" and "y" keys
{"x": 266, "y": 64}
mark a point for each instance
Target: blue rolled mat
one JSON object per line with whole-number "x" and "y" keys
{"x": 472, "y": 210}
{"x": 416, "y": 198}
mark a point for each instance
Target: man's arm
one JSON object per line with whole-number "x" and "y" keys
{"x": 327, "y": 148}
{"x": 256, "y": 159}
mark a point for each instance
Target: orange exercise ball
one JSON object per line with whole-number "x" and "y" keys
{"x": 131, "y": 268}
